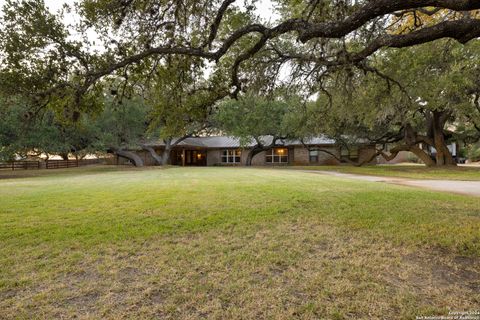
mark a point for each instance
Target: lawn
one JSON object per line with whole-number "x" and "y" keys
{"x": 227, "y": 243}
{"x": 406, "y": 171}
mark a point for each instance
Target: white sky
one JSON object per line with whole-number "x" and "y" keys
{"x": 265, "y": 7}
{"x": 52, "y": 4}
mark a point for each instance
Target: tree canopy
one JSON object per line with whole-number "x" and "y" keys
{"x": 181, "y": 57}
{"x": 263, "y": 122}
{"x": 43, "y": 56}
{"x": 414, "y": 102}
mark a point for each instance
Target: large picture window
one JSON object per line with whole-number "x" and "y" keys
{"x": 231, "y": 156}
{"x": 277, "y": 155}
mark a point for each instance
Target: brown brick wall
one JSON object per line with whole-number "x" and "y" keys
{"x": 213, "y": 157}
{"x": 302, "y": 156}
{"x": 366, "y": 152}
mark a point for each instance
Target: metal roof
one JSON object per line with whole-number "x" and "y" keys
{"x": 233, "y": 142}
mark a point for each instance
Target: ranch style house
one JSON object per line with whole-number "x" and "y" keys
{"x": 227, "y": 151}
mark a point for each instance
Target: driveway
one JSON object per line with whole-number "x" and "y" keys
{"x": 462, "y": 187}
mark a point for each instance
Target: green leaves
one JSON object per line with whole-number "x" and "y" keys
{"x": 252, "y": 116}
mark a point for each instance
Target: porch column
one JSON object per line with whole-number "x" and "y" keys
{"x": 183, "y": 157}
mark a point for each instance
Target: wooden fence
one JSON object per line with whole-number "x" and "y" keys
{"x": 19, "y": 165}
{"x": 49, "y": 164}
{"x": 62, "y": 164}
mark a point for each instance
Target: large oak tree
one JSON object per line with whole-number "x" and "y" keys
{"x": 414, "y": 101}
{"x": 40, "y": 55}
{"x": 63, "y": 67}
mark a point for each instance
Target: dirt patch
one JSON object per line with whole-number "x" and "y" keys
{"x": 445, "y": 270}
{"x": 83, "y": 301}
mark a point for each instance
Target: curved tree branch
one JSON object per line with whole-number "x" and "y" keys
{"x": 462, "y": 30}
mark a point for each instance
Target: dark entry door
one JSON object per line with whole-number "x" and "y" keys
{"x": 195, "y": 158}
{"x": 192, "y": 157}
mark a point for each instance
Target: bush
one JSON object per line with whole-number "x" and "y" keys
{"x": 411, "y": 157}
{"x": 473, "y": 153}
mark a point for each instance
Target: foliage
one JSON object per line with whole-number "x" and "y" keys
{"x": 252, "y": 117}
{"x": 186, "y": 55}
{"x": 181, "y": 98}
{"x": 122, "y": 124}
{"x": 23, "y": 134}
{"x": 398, "y": 100}
{"x": 118, "y": 125}
{"x": 473, "y": 152}
{"x": 61, "y": 65}
{"x": 40, "y": 61}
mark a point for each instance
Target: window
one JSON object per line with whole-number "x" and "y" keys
{"x": 277, "y": 155}
{"x": 313, "y": 154}
{"x": 351, "y": 152}
{"x": 231, "y": 156}
{"x": 354, "y": 152}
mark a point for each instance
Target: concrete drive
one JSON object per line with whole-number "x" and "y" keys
{"x": 462, "y": 187}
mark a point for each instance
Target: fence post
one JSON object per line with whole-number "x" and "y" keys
{"x": 13, "y": 165}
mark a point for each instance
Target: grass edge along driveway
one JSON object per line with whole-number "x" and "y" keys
{"x": 404, "y": 171}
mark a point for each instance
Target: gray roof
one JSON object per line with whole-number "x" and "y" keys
{"x": 233, "y": 142}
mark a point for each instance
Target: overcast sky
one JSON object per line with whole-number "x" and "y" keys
{"x": 264, "y": 6}
{"x": 264, "y": 9}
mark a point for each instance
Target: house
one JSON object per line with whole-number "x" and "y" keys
{"x": 227, "y": 151}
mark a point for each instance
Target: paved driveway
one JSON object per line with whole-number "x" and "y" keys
{"x": 463, "y": 187}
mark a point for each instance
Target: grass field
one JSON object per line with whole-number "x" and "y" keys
{"x": 225, "y": 243}
{"x": 407, "y": 171}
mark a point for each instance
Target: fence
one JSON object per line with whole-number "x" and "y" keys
{"x": 19, "y": 165}
{"x": 62, "y": 164}
{"x": 49, "y": 164}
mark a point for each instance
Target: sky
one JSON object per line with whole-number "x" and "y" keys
{"x": 52, "y": 4}
{"x": 264, "y": 7}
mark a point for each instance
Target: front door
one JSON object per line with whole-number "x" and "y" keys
{"x": 195, "y": 158}
{"x": 192, "y": 157}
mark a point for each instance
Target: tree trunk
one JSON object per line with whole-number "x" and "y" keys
{"x": 425, "y": 157}
{"x": 158, "y": 159}
{"x": 64, "y": 156}
{"x": 253, "y": 152}
{"x": 443, "y": 156}
{"x": 422, "y": 155}
{"x": 132, "y": 156}
{"x": 165, "y": 157}
{"x": 166, "y": 152}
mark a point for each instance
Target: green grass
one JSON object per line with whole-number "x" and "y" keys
{"x": 406, "y": 171}
{"x": 222, "y": 243}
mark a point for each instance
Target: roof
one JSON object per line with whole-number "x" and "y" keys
{"x": 218, "y": 142}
